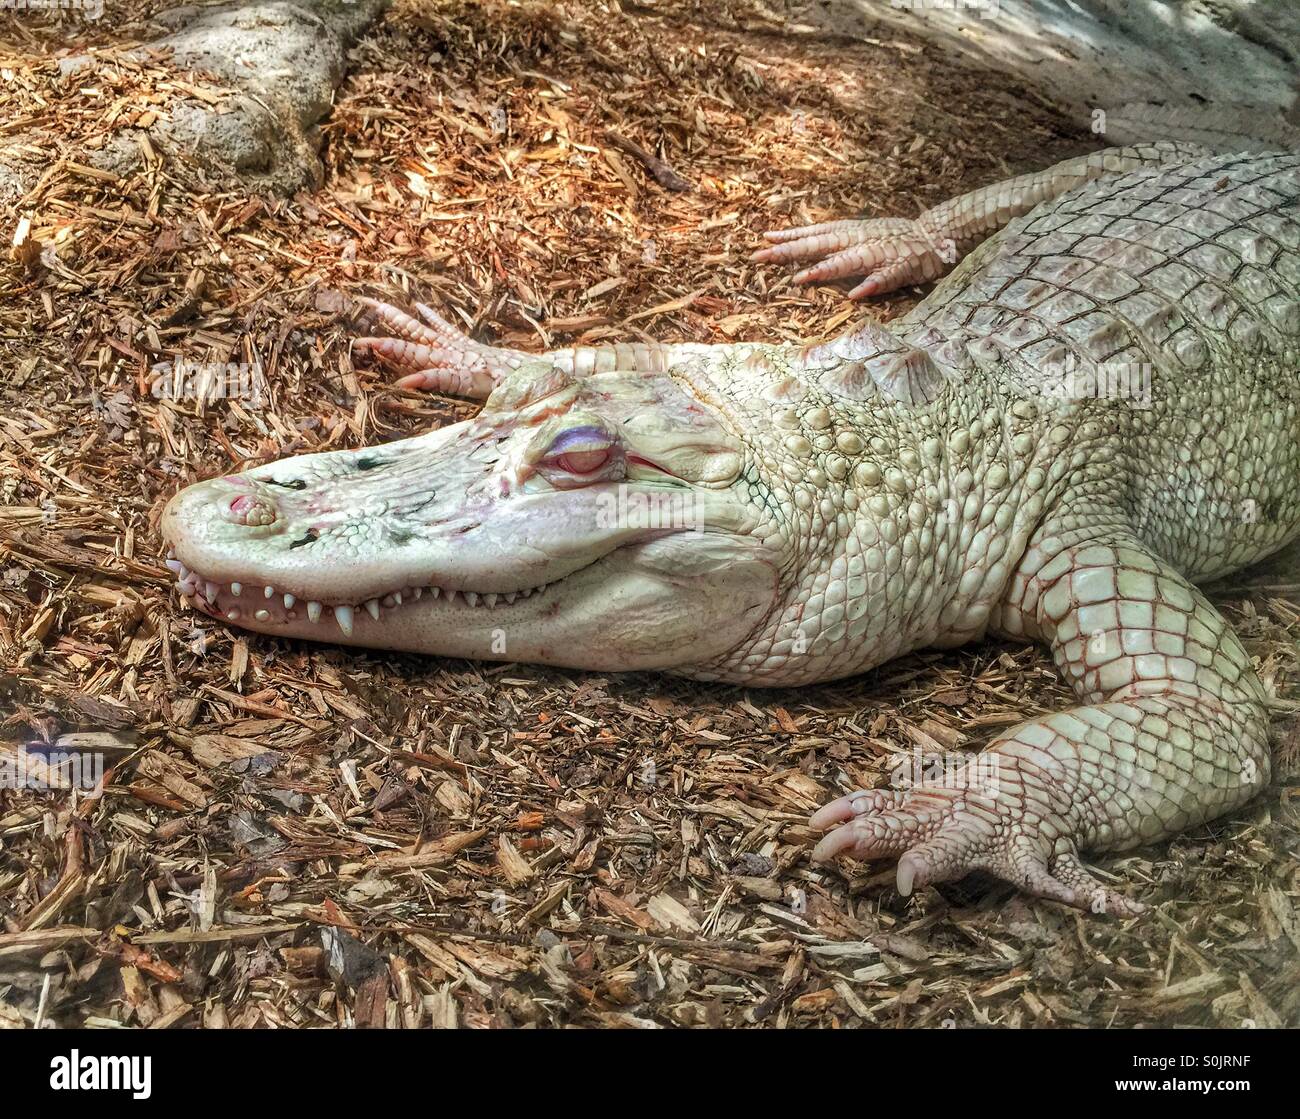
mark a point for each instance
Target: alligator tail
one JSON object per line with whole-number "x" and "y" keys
{"x": 1227, "y": 128}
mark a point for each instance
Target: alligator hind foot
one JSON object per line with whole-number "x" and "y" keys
{"x": 890, "y": 252}
{"x": 895, "y": 252}
{"x": 433, "y": 355}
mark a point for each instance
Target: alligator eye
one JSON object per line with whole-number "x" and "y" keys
{"x": 583, "y": 462}
{"x": 292, "y": 484}
{"x": 583, "y": 454}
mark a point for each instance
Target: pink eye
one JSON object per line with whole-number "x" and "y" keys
{"x": 583, "y": 462}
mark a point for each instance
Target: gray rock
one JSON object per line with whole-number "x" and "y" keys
{"x": 286, "y": 59}
{"x": 1099, "y": 52}
{"x": 74, "y": 64}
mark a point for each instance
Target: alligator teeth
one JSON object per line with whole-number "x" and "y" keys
{"x": 191, "y": 585}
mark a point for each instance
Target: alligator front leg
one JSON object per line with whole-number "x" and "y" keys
{"x": 434, "y": 355}
{"x": 896, "y": 252}
{"x": 1173, "y": 733}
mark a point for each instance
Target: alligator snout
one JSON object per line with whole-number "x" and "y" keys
{"x": 221, "y": 509}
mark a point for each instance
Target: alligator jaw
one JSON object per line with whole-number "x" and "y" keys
{"x": 269, "y": 608}
{"x": 662, "y": 604}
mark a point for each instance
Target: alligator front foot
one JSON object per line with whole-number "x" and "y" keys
{"x": 890, "y": 252}
{"x": 433, "y": 355}
{"x": 1172, "y": 731}
{"x": 1002, "y": 825}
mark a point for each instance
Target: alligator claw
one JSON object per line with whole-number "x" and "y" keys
{"x": 855, "y": 804}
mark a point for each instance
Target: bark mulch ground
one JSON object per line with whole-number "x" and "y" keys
{"x": 299, "y": 835}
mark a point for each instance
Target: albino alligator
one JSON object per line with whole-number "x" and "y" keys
{"x": 776, "y": 514}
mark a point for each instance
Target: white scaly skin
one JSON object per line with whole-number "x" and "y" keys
{"x": 891, "y": 489}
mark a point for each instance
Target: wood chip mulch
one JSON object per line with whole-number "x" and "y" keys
{"x": 298, "y": 835}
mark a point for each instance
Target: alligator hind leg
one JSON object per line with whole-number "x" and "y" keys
{"x": 890, "y": 252}
{"x": 1172, "y": 732}
{"x": 896, "y": 252}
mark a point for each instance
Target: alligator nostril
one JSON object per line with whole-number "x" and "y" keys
{"x": 249, "y": 510}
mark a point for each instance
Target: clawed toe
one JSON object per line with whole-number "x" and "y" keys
{"x": 889, "y": 277}
{"x": 397, "y": 322}
{"x": 876, "y": 825}
{"x": 855, "y": 804}
{"x": 939, "y": 834}
{"x": 1071, "y": 883}
{"x": 473, "y": 384}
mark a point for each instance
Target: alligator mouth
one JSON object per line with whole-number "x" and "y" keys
{"x": 267, "y": 605}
